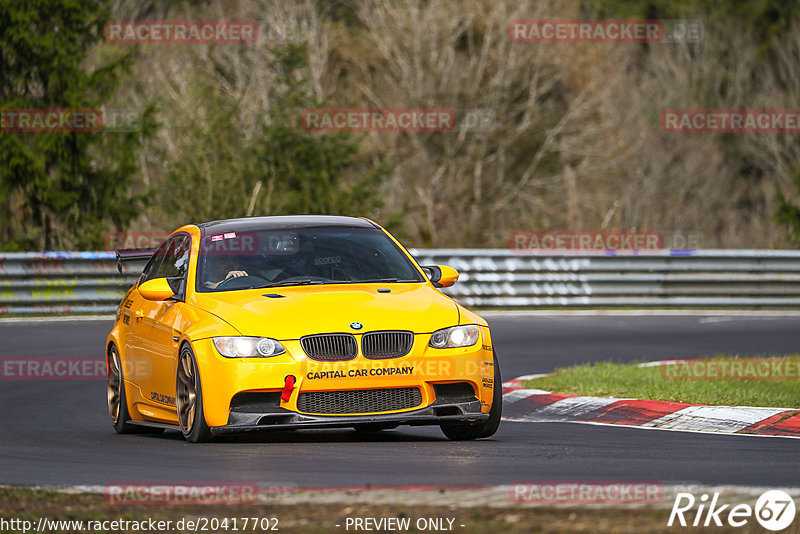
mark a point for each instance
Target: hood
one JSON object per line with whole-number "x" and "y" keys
{"x": 318, "y": 309}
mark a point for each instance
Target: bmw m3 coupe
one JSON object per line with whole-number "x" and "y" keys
{"x": 293, "y": 322}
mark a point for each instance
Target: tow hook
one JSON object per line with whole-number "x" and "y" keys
{"x": 287, "y": 388}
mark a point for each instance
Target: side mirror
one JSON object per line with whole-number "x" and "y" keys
{"x": 156, "y": 289}
{"x": 441, "y": 275}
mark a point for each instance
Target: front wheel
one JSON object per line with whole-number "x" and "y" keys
{"x": 189, "y": 399}
{"x": 467, "y": 431}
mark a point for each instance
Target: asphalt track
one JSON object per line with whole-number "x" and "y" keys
{"x": 58, "y": 433}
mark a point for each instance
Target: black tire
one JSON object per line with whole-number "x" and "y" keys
{"x": 467, "y": 431}
{"x": 118, "y": 400}
{"x": 189, "y": 399}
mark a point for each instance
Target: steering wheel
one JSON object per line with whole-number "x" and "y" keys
{"x": 246, "y": 281}
{"x": 340, "y": 275}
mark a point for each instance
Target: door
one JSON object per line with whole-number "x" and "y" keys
{"x": 136, "y": 365}
{"x": 159, "y": 332}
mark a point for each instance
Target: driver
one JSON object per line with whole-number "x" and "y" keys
{"x": 215, "y": 272}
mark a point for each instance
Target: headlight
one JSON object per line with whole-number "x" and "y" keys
{"x": 456, "y": 336}
{"x": 246, "y": 347}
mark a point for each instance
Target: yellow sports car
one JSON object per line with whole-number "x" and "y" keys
{"x": 296, "y": 322}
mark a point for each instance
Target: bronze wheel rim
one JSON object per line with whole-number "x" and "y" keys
{"x": 187, "y": 392}
{"x": 114, "y": 388}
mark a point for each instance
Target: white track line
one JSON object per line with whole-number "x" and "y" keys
{"x": 727, "y": 419}
{"x": 568, "y": 409}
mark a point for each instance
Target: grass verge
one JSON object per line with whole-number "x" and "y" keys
{"x": 31, "y": 505}
{"x": 769, "y": 381}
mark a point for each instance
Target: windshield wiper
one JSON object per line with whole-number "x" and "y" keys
{"x": 378, "y": 281}
{"x": 302, "y": 282}
{"x": 308, "y": 281}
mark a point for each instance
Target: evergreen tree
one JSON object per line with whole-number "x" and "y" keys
{"x": 61, "y": 189}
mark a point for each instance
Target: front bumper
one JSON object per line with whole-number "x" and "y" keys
{"x": 436, "y": 414}
{"x": 423, "y": 368}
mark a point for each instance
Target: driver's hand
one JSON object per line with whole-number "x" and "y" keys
{"x": 236, "y": 274}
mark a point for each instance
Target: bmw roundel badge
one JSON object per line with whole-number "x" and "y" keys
{"x": 356, "y": 326}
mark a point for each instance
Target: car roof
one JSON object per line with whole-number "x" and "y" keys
{"x": 284, "y": 221}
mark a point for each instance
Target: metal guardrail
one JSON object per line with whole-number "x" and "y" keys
{"x": 88, "y": 282}
{"x": 669, "y": 278}
{"x": 36, "y": 283}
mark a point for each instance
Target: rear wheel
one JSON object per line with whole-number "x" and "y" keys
{"x": 115, "y": 393}
{"x": 117, "y": 400}
{"x": 467, "y": 431}
{"x": 189, "y": 399}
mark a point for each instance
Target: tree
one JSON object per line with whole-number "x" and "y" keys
{"x": 61, "y": 189}
{"x": 787, "y": 215}
{"x": 309, "y": 172}
{"x": 282, "y": 169}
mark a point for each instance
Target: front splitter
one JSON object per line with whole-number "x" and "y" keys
{"x": 286, "y": 420}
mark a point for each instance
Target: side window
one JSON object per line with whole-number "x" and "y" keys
{"x": 176, "y": 258}
{"x": 151, "y": 269}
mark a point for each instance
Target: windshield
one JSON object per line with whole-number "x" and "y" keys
{"x": 300, "y": 256}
